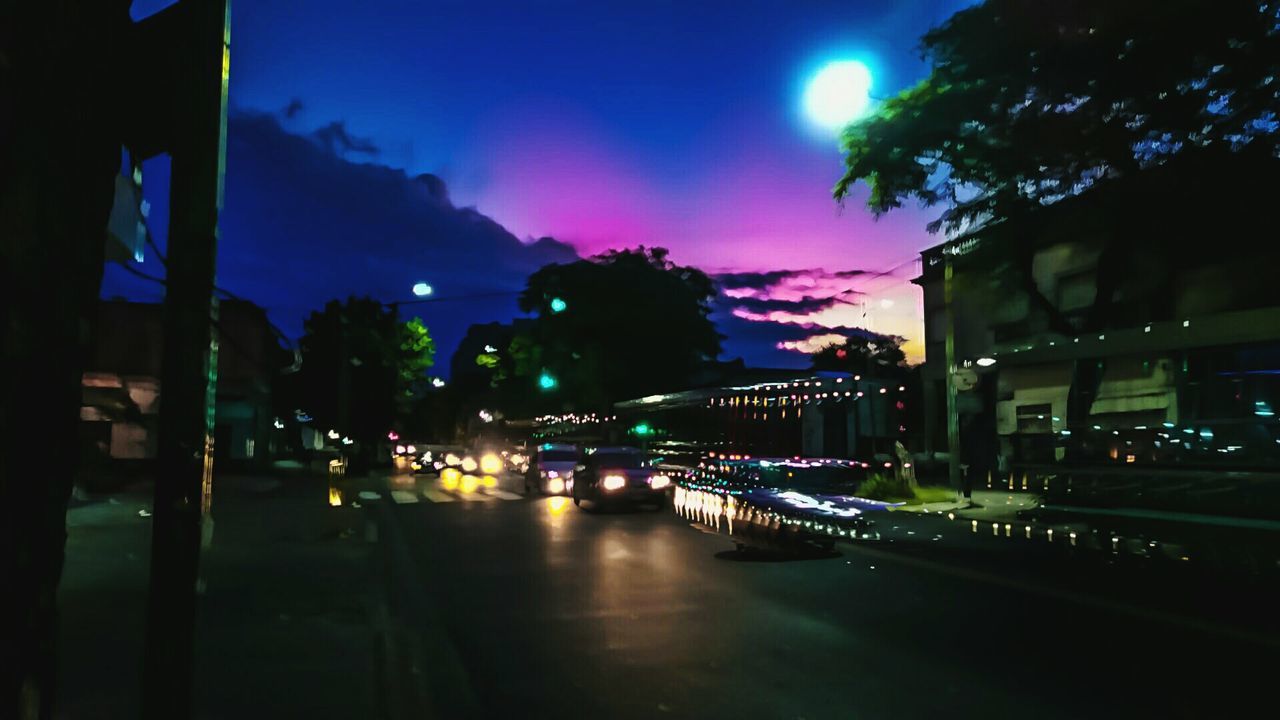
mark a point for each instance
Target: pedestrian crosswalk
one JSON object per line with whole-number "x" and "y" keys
{"x": 438, "y": 495}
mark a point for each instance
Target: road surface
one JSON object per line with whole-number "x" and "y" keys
{"x": 530, "y": 607}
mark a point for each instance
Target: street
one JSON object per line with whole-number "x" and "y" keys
{"x": 530, "y": 607}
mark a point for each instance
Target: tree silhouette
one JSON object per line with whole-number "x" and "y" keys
{"x": 1142, "y": 128}
{"x": 362, "y": 368}
{"x": 632, "y": 323}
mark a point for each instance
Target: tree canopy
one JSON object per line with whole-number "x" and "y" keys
{"x": 627, "y": 323}
{"x": 385, "y": 366}
{"x": 1146, "y": 125}
{"x": 873, "y": 356}
{"x": 1028, "y": 102}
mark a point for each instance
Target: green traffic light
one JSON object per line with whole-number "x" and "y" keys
{"x": 558, "y": 305}
{"x": 546, "y": 381}
{"x": 642, "y": 429}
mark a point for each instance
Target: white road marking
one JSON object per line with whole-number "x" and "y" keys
{"x": 437, "y": 496}
{"x": 403, "y": 497}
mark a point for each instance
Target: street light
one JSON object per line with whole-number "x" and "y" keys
{"x": 985, "y": 361}
{"x": 558, "y": 305}
{"x": 547, "y": 381}
{"x": 422, "y": 289}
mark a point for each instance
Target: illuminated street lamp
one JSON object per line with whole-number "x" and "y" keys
{"x": 547, "y": 381}
{"x": 558, "y": 305}
{"x": 422, "y": 289}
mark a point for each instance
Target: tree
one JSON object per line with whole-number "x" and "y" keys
{"x": 362, "y": 368}
{"x": 873, "y": 356}
{"x": 1142, "y": 126}
{"x": 628, "y": 323}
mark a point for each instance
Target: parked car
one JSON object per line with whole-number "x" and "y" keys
{"x": 618, "y": 475}
{"x": 551, "y": 469}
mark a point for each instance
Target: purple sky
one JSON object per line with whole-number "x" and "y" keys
{"x": 602, "y": 125}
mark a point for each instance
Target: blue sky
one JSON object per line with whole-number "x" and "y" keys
{"x": 600, "y": 124}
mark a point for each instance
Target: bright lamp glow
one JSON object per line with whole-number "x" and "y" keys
{"x": 555, "y": 486}
{"x": 659, "y": 481}
{"x": 613, "y": 482}
{"x": 985, "y": 361}
{"x": 839, "y": 94}
{"x": 400, "y": 448}
{"x": 422, "y": 289}
{"x": 469, "y": 464}
{"x": 411, "y": 449}
{"x": 490, "y": 464}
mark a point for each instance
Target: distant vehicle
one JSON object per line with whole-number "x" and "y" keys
{"x": 404, "y": 450}
{"x": 434, "y": 458}
{"x": 619, "y": 475}
{"x": 550, "y": 470}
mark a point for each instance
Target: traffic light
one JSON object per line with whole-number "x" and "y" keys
{"x": 642, "y": 429}
{"x": 547, "y": 381}
{"x": 558, "y": 305}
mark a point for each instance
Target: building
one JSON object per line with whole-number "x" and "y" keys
{"x": 121, "y": 390}
{"x": 826, "y": 414}
{"x": 1180, "y": 369}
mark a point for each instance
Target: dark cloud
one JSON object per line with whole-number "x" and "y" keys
{"x": 753, "y": 280}
{"x": 302, "y": 225}
{"x": 291, "y": 110}
{"x": 435, "y": 187}
{"x": 805, "y": 305}
{"x": 771, "y": 278}
{"x": 335, "y": 138}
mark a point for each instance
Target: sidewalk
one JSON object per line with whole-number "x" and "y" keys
{"x": 288, "y": 624}
{"x": 989, "y": 505}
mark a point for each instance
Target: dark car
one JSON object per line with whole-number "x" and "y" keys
{"x": 550, "y": 469}
{"x": 619, "y": 475}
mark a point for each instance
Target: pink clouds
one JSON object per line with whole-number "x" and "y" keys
{"x": 736, "y": 204}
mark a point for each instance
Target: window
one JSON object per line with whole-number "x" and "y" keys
{"x": 1077, "y": 290}
{"x": 1035, "y": 419}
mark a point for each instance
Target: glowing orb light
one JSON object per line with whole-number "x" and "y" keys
{"x": 422, "y": 289}
{"x": 838, "y": 94}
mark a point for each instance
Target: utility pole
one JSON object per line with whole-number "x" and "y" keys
{"x": 953, "y": 416}
{"x": 197, "y": 34}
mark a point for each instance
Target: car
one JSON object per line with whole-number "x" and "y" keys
{"x": 435, "y": 458}
{"x": 551, "y": 469}
{"x": 619, "y": 475}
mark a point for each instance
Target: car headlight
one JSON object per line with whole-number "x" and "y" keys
{"x": 451, "y": 459}
{"x": 613, "y": 482}
{"x": 469, "y": 464}
{"x": 411, "y": 449}
{"x": 659, "y": 481}
{"x": 517, "y": 459}
{"x": 490, "y": 464}
{"x": 400, "y": 449}
{"x": 555, "y": 486}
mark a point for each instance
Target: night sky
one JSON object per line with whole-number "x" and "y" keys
{"x": 374, "y": 145}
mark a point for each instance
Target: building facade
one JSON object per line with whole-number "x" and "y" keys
{"x": 121, "y": 392}
{"x": 1178, "y": 370}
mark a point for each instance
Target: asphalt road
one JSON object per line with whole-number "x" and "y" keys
{"x": 530, "y": 607}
